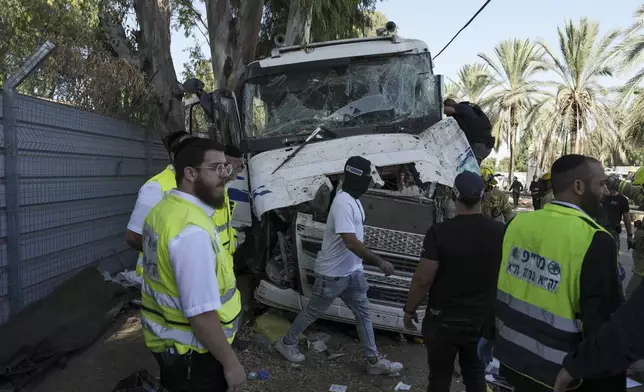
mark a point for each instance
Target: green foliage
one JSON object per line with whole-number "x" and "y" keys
{"x": 81, "y": 71}
{"x": 332, "y": 19}
{"x": 489, "y": 163}
{"x": 474, "y": 81}
{"x": 504, "y": 165}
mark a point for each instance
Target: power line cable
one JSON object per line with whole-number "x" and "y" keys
{"x": 463, "y": 28}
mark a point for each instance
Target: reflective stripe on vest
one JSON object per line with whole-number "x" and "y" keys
{"x": 167, "y": 180}
{"x": 223, "y": 225}
{"x": 537, "y": 306}
{"x": 165, "y": 324}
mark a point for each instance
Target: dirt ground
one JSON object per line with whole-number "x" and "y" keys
{"x": 121, "y": 352}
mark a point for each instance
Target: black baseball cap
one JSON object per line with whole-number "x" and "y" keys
{"x": 357, "y": 166}
{"x": 469, "y": 186}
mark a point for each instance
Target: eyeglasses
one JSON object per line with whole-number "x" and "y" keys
{"x": 222, "y": 169}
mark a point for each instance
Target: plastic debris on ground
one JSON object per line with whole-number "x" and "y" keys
{"x": 338, "y": 388}
{"x": 402, "y": 387}
{"x": 140, "y": 381}
{"x": 127, "y": 279}
{"x": 272, "y": 327}
{"x": 318, "y": 346}
{"x": 630, "y": 383}
{"x": 333, "y": 357}
{"x": 258, "y": 375}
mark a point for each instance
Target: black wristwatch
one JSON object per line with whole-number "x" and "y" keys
{"x": 408, "y": 312}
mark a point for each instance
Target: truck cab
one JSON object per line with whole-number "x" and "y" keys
{"x": 306, "y": 109}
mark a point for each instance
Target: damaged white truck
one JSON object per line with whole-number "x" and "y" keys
{"x": 302, "y": 113}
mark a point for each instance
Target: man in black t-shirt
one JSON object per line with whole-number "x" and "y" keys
{"x": 475, "y": 125}
{"x": 615, "y": 208}
{"x": 535, "y": 191}
{"x": 516, "y": 188}
{"x": 458, "y": 267}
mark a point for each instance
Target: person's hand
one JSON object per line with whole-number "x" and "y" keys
{"x": 409, "y": 320}
{"x": 563, "y": 380}
{"x": 386, "y": 267}
{"x": 629, "y": 241}
{"x": 485, "y": 350}
{"x": 235, "y": 375}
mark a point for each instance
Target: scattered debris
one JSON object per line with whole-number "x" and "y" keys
{"x": 402, "y": 387}
{"x": 333, "y": 357}
{"x": 263, "y": 374}
{"x": 318, "y": 346}
{"x": 319, "y": 336}
{"x": 272, "y": 326}
{"x": 338, "y": 388}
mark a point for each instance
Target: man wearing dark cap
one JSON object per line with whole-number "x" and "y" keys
{"x": 339, "y": 271}
{"x": 458, "y": 267}
{"x": 152, "y": 192}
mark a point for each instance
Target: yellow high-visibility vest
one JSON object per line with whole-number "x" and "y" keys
{"x": 164, "y": 324}
{"x": 168, "y": 181}
{"x": 537, "y": 306}
{"x": 223, "y": 223}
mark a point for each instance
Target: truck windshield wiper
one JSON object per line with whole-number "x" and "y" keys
{"x": 301, "y": 146}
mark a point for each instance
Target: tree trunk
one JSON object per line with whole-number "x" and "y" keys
{"x": 233, "y": 39}
{"x": 298, "y": 27}
{"x": 152, "y": 56}
{"x": 514, "y": 124}
{"x": 574, "y": 133}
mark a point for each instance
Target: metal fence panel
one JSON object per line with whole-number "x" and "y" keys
{"x": 4, "y": 276}
{"x": 78, "y": 178}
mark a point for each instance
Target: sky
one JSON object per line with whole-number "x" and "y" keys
{"x": 436, "y": 22}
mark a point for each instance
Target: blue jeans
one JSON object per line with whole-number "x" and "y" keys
{"x": 352, "y": 290}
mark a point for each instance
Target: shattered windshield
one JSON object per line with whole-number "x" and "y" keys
{"x": 371, "y": 91}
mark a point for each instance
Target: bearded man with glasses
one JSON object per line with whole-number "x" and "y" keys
{"x": 190, "y": 303}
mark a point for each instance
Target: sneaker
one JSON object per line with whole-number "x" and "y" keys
{"x": 290, "y": 352}
{"x": 384, "y": 367}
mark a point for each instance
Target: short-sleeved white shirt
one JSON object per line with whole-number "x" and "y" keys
{"x": 346, "y": 216}
{"x": 194, "y": 263}
{"x": 149, "y": 195}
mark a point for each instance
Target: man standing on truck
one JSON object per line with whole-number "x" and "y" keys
{"x": 459, "y": 267}
{"x": 190, "y": 304}
{"x": 557, "y": 283}
{"x": 339, "y": 270}
{"x": 152, "y": 192}
{"x": 475, "y": 124}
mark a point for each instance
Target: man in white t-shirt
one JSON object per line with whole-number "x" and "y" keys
{"x": 153, "y": 192}
{"x": 339, "y": 271}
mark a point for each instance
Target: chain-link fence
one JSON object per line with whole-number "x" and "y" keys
{"x": 70, "y": 180}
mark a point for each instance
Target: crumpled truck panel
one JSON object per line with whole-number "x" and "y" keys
{"x": 440, "y": 153}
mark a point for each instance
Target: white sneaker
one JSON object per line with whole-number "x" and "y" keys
{"x": 384, "y": 367}
{"x": 290, "y": 352}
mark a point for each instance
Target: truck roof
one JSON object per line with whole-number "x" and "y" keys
{"x": 357, "y": 47}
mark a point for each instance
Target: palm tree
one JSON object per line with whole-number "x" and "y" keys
{"x": 574, "y": 108}
{"x": 632, "y": 51}
{"x": 514, "y": 89}
{"x": 472, "y": 84}
{"x": 453, "y": 91}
